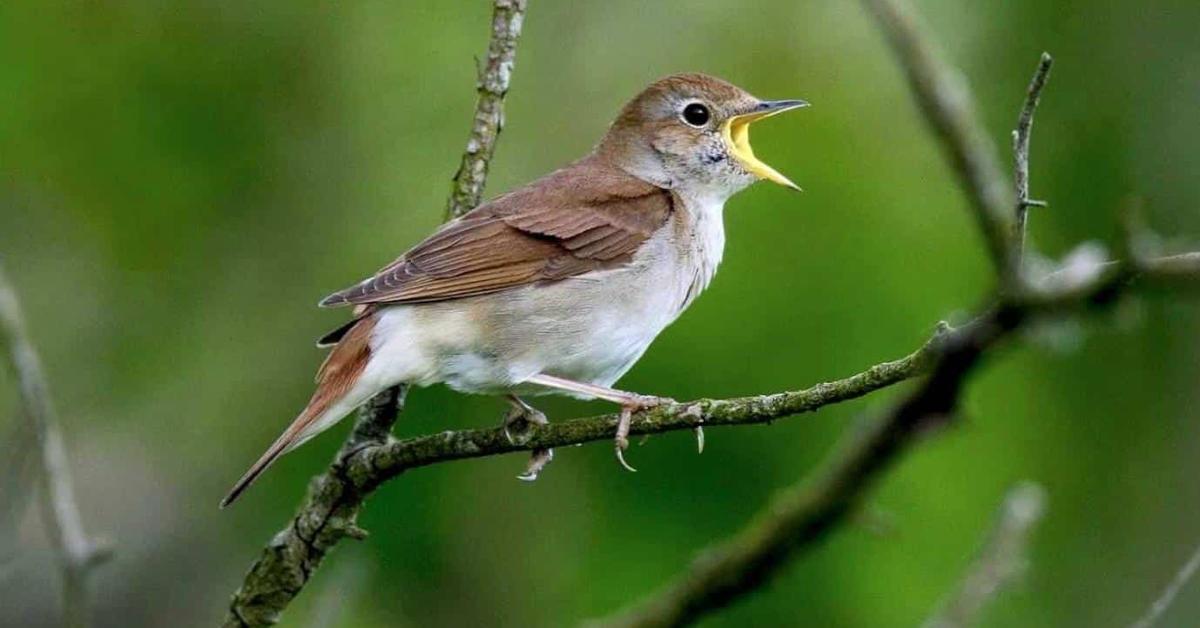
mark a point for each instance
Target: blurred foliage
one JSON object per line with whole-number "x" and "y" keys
{"x": 180, "y": 182}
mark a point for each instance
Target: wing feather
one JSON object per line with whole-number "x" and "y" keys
{"x": 588, "y": 216}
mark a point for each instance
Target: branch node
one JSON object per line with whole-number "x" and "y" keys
{"x": 353, "y": 531}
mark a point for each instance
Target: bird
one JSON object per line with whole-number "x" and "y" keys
{"x": 561, "y": 285}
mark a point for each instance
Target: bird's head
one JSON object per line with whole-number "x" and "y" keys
{"x": 691, "y": 132}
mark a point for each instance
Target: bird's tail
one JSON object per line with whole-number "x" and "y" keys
{"x": 339, "y": 391}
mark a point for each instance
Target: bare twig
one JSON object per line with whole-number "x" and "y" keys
{"x": 290, "y": 558}
{"x": 1001, "y": 560}
{"x": 466, "y": 190}
{"x": 77, "y": 554}
{"x": 942, "y": 93}
{"x": 1160, "y": 605}
{"x": 1021, "y": 137}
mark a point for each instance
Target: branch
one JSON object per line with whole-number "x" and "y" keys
{"x": 806, "y": 513}
{"x": 945, "y": 100}
{"x": 1160, "y": 605}
{"x": 466, "y": 190}
{"x": 77, "y": 554}
{"x": 1000, "y": 561}
{"x": 375, "y": 465}
{"x": 1021, "y": 151}
{"x": 367, "y": 460}
{"x": 329, "y": 509}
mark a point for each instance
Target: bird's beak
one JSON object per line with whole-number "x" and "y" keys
{"x": 736, "y": 132}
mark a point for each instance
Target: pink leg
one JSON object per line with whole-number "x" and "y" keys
{"x": 629, "y": 402}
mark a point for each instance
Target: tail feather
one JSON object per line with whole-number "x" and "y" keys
{"x": 332, "y": 400}
{"x": 282, "y": 445}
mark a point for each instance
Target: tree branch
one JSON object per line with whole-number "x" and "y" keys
{"x": 77, "y": 554}
{"x": 334, "y": 498}
{"x": 1000, "y": 561}
{"x": 466, "y": 190}
{"x": 1021, "y": 137}
{"x": 944, "y": 98}
{"x": 374, "y": 465}
{"x": 805, "y": 513}
{"x": 1167, "y": 597}
{"x": 329, "y": 509}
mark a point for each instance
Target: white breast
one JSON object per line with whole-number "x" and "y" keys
{"x": 706, "y": 240}
{"x": 590, "y": 328}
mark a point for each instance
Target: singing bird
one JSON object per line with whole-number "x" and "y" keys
{"x": 558, "y": 286}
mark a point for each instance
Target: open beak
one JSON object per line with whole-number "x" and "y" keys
{"x": 736, "y": 132}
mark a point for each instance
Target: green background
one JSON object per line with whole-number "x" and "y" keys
{"x": 181, "y": 182}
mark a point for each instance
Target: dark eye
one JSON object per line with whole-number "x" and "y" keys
{"x": 696, "y": 114}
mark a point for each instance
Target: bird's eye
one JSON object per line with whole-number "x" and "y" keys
{"x": 696, "y": 114}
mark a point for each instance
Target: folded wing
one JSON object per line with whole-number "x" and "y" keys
{"x": 588, "y": 216}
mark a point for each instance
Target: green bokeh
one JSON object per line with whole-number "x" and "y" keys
{"x": 180, "y": 182}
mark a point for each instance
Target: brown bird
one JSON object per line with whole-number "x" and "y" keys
{"x": 558, "y": 286}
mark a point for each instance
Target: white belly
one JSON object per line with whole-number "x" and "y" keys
{"x": 591, "y": 328}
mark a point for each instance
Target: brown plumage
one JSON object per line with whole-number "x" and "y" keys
{"x": 587, "y": 216}
{"x": 337, "y": 374}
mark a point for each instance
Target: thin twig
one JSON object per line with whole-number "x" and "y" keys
{"x": 328, "y": 512}
{"x": 1160, "y": 605}
{"x": 77, "y": 554}
{"x": 1001, "y": 560}
{"x": 942, "y": 93}
{"x": 466, "y": 190}
{"x": 1021, "y": 138}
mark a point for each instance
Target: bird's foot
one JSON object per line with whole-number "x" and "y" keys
{"x": 518, "y": 420}
{"x": 630, "y": 405}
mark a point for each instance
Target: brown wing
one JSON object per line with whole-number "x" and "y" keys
{"x": 585, "y": 217}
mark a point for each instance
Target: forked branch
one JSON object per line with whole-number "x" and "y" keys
{"x": 77, "y": 553}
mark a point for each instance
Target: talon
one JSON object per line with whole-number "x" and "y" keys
{"x": 621, "y": 459}
{"x": 699, "y": 439}
{"x": 537, "y": 461}
{"x": 528, "y": 417}
{"x": 621, "y": 439}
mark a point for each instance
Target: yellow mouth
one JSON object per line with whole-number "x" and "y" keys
{"x": 736, "y": 132}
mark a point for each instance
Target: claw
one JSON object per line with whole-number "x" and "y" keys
{"x": 537, "y": 461}
{"x": 621, "y": 459}
{"x": 528, "y": 416}
{"x": 621, "y": 440}
{"x": 699, "y": 439}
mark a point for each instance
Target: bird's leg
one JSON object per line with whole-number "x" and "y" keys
{"x": 629, "y": 402}
{"x": 525, "y": 414}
